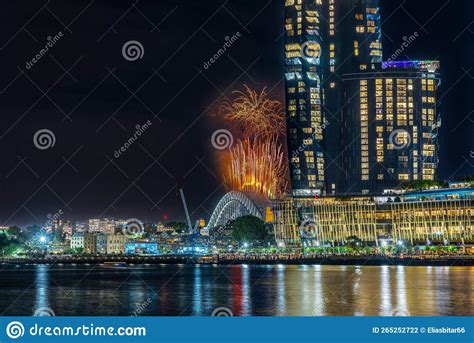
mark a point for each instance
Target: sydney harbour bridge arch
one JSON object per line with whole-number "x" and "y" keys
{"x": 233, "y": 205}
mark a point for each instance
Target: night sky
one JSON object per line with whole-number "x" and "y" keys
{"x": 92, "y": 98}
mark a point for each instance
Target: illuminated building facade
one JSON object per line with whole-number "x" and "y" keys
{"x": 115, "y": 244}
{"x": 393, "y": 139}
{"x": 354, "y": 39}
{"x": 77, "y": 241}
{"x": 303, "y": 73}
{"x": 438, "y": 217}
{"x": 355, "y": 124}
{"x": 141, "y": 248}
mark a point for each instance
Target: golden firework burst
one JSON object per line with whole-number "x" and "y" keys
{"x": 258, "y": 166}
{"x": 255, "y": 113}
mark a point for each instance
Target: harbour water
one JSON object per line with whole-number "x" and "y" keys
{"x": 243, "y": 290}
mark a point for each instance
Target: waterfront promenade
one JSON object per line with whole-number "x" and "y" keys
{"x": 227, "y": 259}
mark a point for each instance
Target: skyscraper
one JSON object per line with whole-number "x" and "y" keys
{"x": 304, "y": 73}
{"x": 395, "y": 121}
{"x": 349, "y": 114}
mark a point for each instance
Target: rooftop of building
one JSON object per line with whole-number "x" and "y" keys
{"x": 429, "y": 66}
{"x": 399, "y": 196}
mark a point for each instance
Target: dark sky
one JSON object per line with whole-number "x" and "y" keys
{"x": 91, "y": 98}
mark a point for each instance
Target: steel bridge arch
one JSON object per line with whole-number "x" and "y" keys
{"x": 233, "y": 205}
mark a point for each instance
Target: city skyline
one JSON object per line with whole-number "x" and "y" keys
{"x": 271, "y": 158}
{"x": 82, "y": 170}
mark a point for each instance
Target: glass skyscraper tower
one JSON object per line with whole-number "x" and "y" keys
{"x": 304, "y": 95}
{"x": 355, "y": 124}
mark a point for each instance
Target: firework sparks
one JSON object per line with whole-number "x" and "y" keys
{"x": 257, "y": 115}
{"x": 258, "y": 166}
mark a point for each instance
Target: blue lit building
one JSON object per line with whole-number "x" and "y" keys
{"x": 141, "y": 249}
{"x": 196, "y": 250}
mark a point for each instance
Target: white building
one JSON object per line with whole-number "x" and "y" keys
{"x": 77, "y": 241}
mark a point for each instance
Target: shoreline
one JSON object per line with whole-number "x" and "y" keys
{"x": 253, "y": 260}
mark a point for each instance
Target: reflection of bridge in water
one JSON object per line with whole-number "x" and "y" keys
{"x": 234, "y": 205}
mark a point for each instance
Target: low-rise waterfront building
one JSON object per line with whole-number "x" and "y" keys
{"x": 141, "y": 248}
{"x": 90, "y": 243}
{"x": 77, "y": 241}
{"x": 95, "y": 243}
{"x": 115, "y": 244}
{"x": 439, "y": 217}
{"x": 99, "y": 243}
